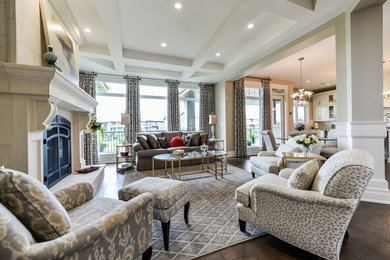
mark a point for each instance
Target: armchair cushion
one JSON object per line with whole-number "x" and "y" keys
{"x": 286, "y": 173}
{"x": 34, "y": 205}
{"x": 345, "y": 174}
{"x": 303, "y": 176}
{"x": 242, "y": 193}
{"x": 75, "y": 195}
{"x": 93, "y": 210}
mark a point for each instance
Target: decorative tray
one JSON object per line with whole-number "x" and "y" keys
{"x": 88, "y": 169}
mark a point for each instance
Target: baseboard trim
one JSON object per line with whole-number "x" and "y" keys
{"x": 375, "y": 195}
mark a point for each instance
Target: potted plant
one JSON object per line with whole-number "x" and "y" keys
{"x": 102, "y": 146}
{"x": 252, "y": 136}
{"x": 248, "y": 142}
{"x": 306, "y": 141}
{"x": 300, "y": 127}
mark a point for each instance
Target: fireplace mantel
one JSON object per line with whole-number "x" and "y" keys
{"x": 31, "y": 96}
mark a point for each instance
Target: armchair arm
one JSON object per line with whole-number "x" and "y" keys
{"x": 266, "y": 153}
{"x": 124, "y": 233}
{"x": 137, "y": 147}
{"x": 75, "y": 195}
{"x": 307, "y": 197}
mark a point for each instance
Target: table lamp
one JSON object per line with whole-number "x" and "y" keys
{"x": 212, "y": 122}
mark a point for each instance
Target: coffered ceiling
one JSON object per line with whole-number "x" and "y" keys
{"x": 126, "y": 35}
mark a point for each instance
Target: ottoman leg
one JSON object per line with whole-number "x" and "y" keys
{"x": 186, "y": 210}
{"x": 147, "y": 255}
{"x": 165, "y": 230}
{"x": 242, "y": 225}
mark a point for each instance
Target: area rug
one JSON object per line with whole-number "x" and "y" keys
{"x": 213, "y": 218}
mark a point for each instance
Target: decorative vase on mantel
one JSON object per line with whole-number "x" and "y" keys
{"x": 51, "y": 58}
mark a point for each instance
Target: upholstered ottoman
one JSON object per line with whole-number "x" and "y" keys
{"x": 169, "y": 197}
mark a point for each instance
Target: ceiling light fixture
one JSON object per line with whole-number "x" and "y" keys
{"x": 163, "y": 44}
{"x": 302, "y": 95}
{"x": 251, "y": 25}
{"x": 327, "y": 83}
{"x": 87, "y": 30}
{"x": 307, "y": 81}
{"x": 218, "y": 54}
{"x": 178, "y": 6}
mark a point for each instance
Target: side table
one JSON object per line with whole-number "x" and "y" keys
{"x": 302, "y": 156}
{"x": 124, "y": 156}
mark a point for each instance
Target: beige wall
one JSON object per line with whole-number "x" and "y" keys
{"x": 225, "y": 107}
{"x": 29, "y": 35}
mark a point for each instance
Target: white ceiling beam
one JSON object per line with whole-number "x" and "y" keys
{"x": 109, "y": 16}
{"x": 223, "y": 37}
{"x": 96, "y": 51}
{"x": 212, "y": 67}
{"x": 106, "y": 63}
{"x": 148, "y": 72}
{"x": 156, "y": 58}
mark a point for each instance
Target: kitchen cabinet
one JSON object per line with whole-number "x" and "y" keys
{"x": 324, "y": 106}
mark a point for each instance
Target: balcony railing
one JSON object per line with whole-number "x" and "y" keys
{"x": 109, "y": 140}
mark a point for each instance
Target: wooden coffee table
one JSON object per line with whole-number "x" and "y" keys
{"x": 218, "y": 156}
{"x": 301, "y": 156}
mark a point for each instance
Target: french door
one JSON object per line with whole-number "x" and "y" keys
{"x": 278, "y": 122}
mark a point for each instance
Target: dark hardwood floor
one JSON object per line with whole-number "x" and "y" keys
{"x": 369, "y": 236}
{"x": 369, "y": 230}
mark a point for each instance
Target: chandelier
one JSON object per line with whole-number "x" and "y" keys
{"x": 302, "y": 95}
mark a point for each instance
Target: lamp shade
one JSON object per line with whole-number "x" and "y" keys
{"x": 125, "y": 119}
{"x": 212, "y": 119}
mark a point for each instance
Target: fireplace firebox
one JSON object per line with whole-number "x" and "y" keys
{"x": 57, "y": 151}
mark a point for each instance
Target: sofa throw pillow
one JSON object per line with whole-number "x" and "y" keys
{"x": 186, "y": 139}
{"x": 285, "y": 148}
{"x": 34, "y": 205}
{"x": 143, "y": 140}
{"x": 195, "y": 139}
{"x": 152, "y": 141}
{"x": 176, "y": 141}
{"x": 302, "y": 177}
{"x": 162, "y": 141}
{"x": 203, "y": 138}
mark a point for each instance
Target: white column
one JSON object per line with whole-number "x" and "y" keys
{"x": 359, "y": 52}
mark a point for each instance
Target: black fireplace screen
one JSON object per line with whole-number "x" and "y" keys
{"x": 56, "y": 151}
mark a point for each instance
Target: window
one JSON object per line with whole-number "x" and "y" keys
{"x": 153, "y": 107}
{"x": 112, "y": 102}
{"x": 253, "y": 97}
{"x": 301, "y": 112}
{"x": 189, "y": 108}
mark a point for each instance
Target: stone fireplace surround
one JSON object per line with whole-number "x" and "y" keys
{"x": 30, "y": 97}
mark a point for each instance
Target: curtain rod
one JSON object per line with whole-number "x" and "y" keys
{"x": 258, "y": 78}
{"x": 117, "y": 75}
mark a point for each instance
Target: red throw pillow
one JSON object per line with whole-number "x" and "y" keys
{"x": 176, "y": 141}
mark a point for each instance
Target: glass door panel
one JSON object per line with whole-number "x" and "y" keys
{"x": 278, "y": 117}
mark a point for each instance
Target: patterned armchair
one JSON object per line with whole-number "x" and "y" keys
{"x": 101, "y": 228}
{"x": 315, "y": 220}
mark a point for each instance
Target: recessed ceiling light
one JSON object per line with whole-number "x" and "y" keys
{"x": 178, "y": 6}
{"x": 163, "y": 44}
{"x": 218, "y": 54}
{"x": 328, "y": 84}
{"x": 87, "y": 30}
{"x": 307, "y": 81}
{"x": 251, "y": 25}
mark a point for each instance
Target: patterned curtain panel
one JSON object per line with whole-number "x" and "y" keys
{"x": 240, "y": 118}
{"x": 173, "y": 106}
{"x": 207, "y": 106}
{"x": 267, "y": 110}
{"x": 87, "y": 82}
{"x": 133, "y": 108}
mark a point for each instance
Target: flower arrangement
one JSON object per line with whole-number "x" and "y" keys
{"x": 306, "y": 141}
{"x": 300, "y": 127}
{"x": 95, "y": 126}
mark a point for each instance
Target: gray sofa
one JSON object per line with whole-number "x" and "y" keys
{"x": 143, "y": 157}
